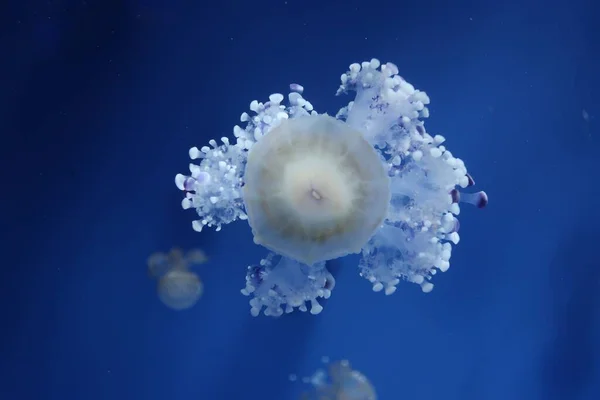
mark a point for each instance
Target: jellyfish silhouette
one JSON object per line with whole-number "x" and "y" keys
{"x": 339, "y": 382}
{"x": 178, "y": 287}
{"x": 314, "y": 188}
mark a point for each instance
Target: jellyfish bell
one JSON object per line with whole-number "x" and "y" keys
{"x": 339, "y": 382}
{"x": 315, "y": 189}
{"x": 179, "y": 289}
{"x": 350, "y": 384}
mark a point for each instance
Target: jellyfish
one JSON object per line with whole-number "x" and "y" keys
{"x": 313, "y": 187}
{"x": 178, "y": 287}
{"x": 339, "y": 382}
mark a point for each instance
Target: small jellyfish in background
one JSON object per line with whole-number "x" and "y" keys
{"x": 339, "y": 382}
{"x": 178, "y": 287}
{"x": 313, "y": 187}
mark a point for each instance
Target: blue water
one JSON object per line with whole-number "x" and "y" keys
{"x": 100, "y": 102}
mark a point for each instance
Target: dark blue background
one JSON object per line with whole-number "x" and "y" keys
{"x": 99, "y": 103}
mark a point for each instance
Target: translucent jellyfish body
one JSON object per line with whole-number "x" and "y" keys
{"x": 178, "y": 287}
{"x": 339, "y": 382}
{"x": 313, "y": 188}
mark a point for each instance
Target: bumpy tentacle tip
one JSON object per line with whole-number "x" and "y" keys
{"x": 195, "y": 153}
{"x": 180, "y": 180}
{"x": 482, "y": 199}
{"x": 276, "y": 98}
{"x": 294, "y": 87}
{"x": 255, "y": 106}
{"x": 426, "y": 287}
{"x": 470, "y": 179}
{"x": 197, "y": 225}
{"x": 315, "y": 307}
{"x": 377, "y": 286}
{"x": 186, "y": 203}
{"x": 479, "y": 199}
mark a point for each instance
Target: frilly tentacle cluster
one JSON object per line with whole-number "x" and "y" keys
{"x": 279, "y": 284}
{"x": 416, "y": 238}
{"x": 213, "y": 187}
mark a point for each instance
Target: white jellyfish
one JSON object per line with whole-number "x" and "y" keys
{"x": 314, "y": 188}
{"x": 178, "y": 287}
{"x": 339, "y": 382}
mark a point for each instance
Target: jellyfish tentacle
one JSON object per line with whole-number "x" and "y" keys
{"x": 279, "y": 285}
{"x": 180, "y": 289}
{"x": 416, "y": 238}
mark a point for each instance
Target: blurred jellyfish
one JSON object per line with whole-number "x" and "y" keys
{"x": 314, "y": 188}
{"x": 339, "y": 382}
{"x": 178, "y": 287}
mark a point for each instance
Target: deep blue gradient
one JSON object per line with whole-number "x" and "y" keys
{"x": 100, "y": 102}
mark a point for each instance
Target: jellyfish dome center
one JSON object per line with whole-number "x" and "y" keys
{"x": 315, "y": 189}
